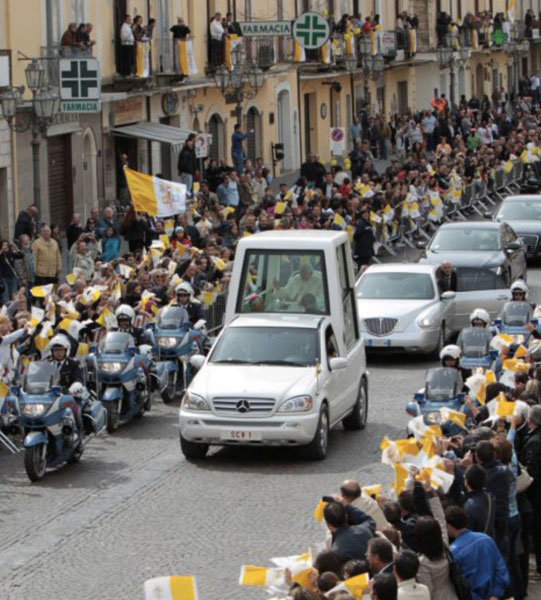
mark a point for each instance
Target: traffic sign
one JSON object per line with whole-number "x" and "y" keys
{"x": 338, "y": 141}
{"x": 201, "y": 146}
{"x": 80, "y": 85}
{"x": 311, "y": 30}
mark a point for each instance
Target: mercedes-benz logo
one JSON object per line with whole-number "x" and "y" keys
{"x": 243, "y": 406}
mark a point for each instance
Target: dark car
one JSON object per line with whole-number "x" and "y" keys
{"x": 523, "y": 215}
{"x": 490, "y": 246}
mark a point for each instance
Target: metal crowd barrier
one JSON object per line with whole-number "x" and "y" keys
{"x": 476, "y": 198}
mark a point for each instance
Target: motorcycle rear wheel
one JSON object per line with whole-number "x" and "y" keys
{"x": 170, "y": 391}
{"x": 35, "y": 462}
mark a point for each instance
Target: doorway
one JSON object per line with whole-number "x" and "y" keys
{"x": 284, "y": 128}
{"x": 127, "y": 146}
{"x": 166, "y": 160}
{"x": 90, "y": 175}
{"x": 216, "y": 128}
{"x": 121, "y": 10}
{"x": 479, "y": 81}
{"x": 402, "y": 93}
{"x": 310, "y": 120}
{"x": 253, "y": 142}
{"x": 60, "y": 180}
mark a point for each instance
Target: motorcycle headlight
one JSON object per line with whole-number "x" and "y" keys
{"x": 433, "y": 418}
{"x": 35, "y": 410}
{"x": 111, "y": 367}
{"x": 194, "y": 402}
{"x": 167, "y": 342}
{"x": 297, "y": 404}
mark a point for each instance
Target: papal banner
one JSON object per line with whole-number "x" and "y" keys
{"x": 187, "y": 63}
{"x": 157, "y": 197}
{"x": 143, "y": 59}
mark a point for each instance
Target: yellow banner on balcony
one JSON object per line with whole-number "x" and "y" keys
{"x": 231, "y": 42}
{"x": 143, "y": 59}
{"x": 511, "y": 10}
{"x": 475, "y": 39}
{"x": 326, "y": 53}
{"x": 350, "y": 48}
{"x": 187, "y": 63}
{"x": 299, "y": 54}
{"x": 413, "y": 41}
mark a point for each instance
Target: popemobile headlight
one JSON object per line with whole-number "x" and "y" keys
{"x": 167, "y": 342}
{"x": 34, "y": 410}
{"x": 111, "y": 367}
{"x": 297, "y": 404}
{"x": 192, "y": 401}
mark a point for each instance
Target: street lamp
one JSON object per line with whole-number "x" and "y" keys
{"x": 45, "y": 105}
{"x": 236, "y": 79}
{"x": 351, "y": 63}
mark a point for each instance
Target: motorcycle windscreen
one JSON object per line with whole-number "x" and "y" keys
{"x": 39, "y": 377}
{"x": 475, "y": 342}
{"x": 172, "y": 317}
{"x": 442, "y": 384}
{"x": 516, "y": 314}
{"x": 116, "y": 342}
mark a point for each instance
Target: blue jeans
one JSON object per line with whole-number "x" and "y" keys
{"x": 238, "y": 162}
{"x": 11, "y": 285}
{"x": 187, "y": 180}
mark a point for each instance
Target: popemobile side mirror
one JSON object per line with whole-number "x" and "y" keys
{"x": 487, "y": 215}
{"x": 421, "y": 245}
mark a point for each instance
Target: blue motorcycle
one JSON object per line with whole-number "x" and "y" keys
{"x": 475, "y": 345}
{"x": 47, "y": 420}
{"x": 174, "y": 342}
{"x": 121, "y": 377}
{"x": 514, "y": 318}
{"x": 442, "y": 390}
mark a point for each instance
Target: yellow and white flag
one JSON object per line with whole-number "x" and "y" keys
{"x": 176, "y": 587}
{"x": 261, "y": 576}
{"x": 157, "y": 197}
{"x": 143, "y": 59}
{"x": 326, "y": 53}
{"x": 125, "y": 271}
{"x": 413, "y": 41}
{"x": 299, "y": 54}
{"x": 107, "y": 319}
{"x": 356, "y": 586}
{"x": 511, "y": 10}
{"x": 90, "y": 295}
{"x": 42, "y": 291}
{"x": 187, "y": 63}
{"x": 37, "y": 316}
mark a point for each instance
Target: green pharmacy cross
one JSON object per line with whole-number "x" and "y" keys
{"x": 311, "y": 30}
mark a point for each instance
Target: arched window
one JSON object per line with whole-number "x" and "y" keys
{"x": 216, "y": 129}
{"x": 253, "y": 143}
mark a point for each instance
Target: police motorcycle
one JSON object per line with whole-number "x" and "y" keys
{"x": 516, "y": 313}
{"x": 120, "y": 375}
{"x": 52, "y": 432}
{"x": 174, "y": 342}
{"x": 474, "y": 342}
{"x": 443, "y": 390}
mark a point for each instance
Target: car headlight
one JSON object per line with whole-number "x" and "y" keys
{"x": 34, "y": 410}
{"x": 167, "y": 342}
{"x": 427, "y": 319}
{"x": 194, "y": 402}
{"x": 111, "y": 367}
{"x": 297, "y": 404}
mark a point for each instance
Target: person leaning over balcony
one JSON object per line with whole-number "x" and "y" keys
{"x": 69, "y": 39}
{"x": 127, "y": 49}
{"x": 216, "y": 40}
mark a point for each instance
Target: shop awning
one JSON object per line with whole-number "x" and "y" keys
{"x": 155, "y": 132}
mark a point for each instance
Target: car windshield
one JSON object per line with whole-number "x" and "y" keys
{"x": 288, "y": 346}
{"x": 441, "y": 384}
{"x": 395, "y": 286}
{"x": 116, "y": 342}
{"x": 172, "y": 317}
{"x": 283, "y": 281}
{"x": 465, "y": 240}
{"x": 516, "y": 313}
{"x": 475, "y": 342}
{"x": 39, "y": 377}
{"x": 520, "y": 210}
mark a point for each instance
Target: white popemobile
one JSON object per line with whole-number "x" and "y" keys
{"x": 289, "y": 363}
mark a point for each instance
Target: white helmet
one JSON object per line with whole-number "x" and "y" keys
{"x": 60, "y": 340}
{"x": 519, "y": 286}
{"x": 480, "y": 314}
{"x": 125, "y": 311}
{"x": 452, "y": 351}
{"x": 184, "y": 287}
{"x": 77, "y": 389}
